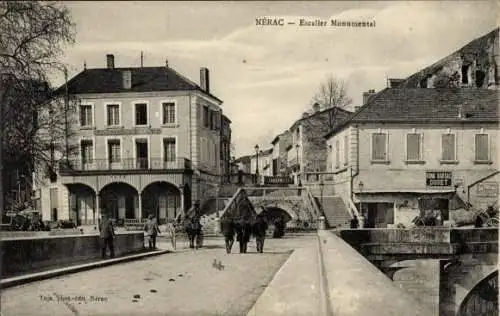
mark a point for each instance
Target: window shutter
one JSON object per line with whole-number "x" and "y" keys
{"x": 448, "y": 141}
{"x": 482, "y": 148}
{"x": 413, "y": 146}
{"x": 378, "y": 146}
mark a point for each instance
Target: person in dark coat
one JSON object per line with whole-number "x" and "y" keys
{"x": 243, "y": 232}
{"x": 259, "y": 231}
{"x": 152, "y": 230}
{"x": 107, "y": 234}
{"x": 227, "y": 229}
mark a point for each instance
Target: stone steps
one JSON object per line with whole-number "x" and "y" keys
{"x": 335, "y": 212}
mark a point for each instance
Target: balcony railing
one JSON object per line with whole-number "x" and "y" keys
{"x": 124, "y": 164}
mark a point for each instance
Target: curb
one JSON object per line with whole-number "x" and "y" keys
{"x": 326, "y": 307}
{"x": 39, "y": 276}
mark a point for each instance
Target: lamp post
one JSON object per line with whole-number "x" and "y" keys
{"x": 257, "y": 162}
{"x": 321, "y": 187}
{"x": 361, "y": 220}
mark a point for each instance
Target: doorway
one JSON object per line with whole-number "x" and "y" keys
{"x": 141, "y": 150}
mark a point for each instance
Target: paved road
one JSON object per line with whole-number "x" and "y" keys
{"x": 180, "y": 283}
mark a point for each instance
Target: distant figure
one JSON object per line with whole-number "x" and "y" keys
{"x": 259, "y": 230}
{"x": 228, "y": 231}
{"x": 243, "y": 232}
{"x": 354, "y": 222}
{"x": 107, "y": 233}
{"x": 152, "y": 230}
{"x": 171, "y": 233}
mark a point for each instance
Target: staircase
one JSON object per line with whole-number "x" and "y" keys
{"x": 335, "y": 211}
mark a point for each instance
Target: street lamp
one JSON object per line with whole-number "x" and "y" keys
{"x": 321, "y": 187}
{"x": 257, "y": 162}
{"x": 298, "y": 163}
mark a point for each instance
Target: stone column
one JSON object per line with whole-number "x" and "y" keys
{"x": 97, "y": 211}
{"x": 181, "y": 190}
{"x": 139, "y": 210}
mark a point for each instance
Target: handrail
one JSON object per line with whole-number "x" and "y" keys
{"x": 231, "y": 202}
{"x": 352, "y": 207}
{"x": 313, "y": 203}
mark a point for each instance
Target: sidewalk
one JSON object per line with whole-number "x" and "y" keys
{"x": 296, "y": 288}
{"x": 18, "y": 280}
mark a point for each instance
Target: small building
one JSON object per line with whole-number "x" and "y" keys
{"x": 406, "y": 144}
{"x": 264, "y": 165}
{"x": 280, "y": 154}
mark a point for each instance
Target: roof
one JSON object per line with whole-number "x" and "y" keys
{"x": 339, "y": 109}
{"x": 145, "y": 79}
{"x": 473, "y": 48}
{"x": 418, "y": 105}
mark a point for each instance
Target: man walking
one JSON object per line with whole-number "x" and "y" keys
{"x": 259, "y": 230}
{"x": 152, "y": 230}
{"x": 227, "y": 229}
{"x": 107, "y": 234}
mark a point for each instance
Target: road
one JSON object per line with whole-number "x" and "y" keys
{"x": 181, "y": 283}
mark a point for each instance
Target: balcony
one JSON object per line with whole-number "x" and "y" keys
{"x": 124, "y": 165}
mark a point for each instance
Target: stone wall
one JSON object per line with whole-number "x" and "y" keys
{"x": 30, "y": 254}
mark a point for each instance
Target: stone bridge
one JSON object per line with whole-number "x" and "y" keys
{"x": 295, "y": 206}
{"x": 453, "y": 270}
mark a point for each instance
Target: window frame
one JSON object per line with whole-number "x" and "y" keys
{"x": 175, "y": 138}
{"x": 114, "y": 138}
{"x": 206, "y": 118}
{"x": 441, "y": 158}
{"x": 86, "y": 139}
{"x": 420, "y": 159}
{"x": 92, "y": 115}
{"x": 135, "y": 103}
{"x": 488, "y": 142}
{"x": 372, "y": 159}
{"x": 176, "y": 114}
{"x": 120, "y": 118}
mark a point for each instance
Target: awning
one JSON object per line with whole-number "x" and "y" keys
{"x": 405, "y": 191}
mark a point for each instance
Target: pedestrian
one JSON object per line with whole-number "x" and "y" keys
{"x": 243, "y": 232}
{"x": 152, "y": 230}
{"x": 107, "y": 234}
{"x": 171, "y": 233}
{"x": 259, "y": 231}
{"x": 354, "y": 222}
{"x": 227, "y": 229}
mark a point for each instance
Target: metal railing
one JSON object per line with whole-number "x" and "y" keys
{"x": 284, "y": 180}
{"x": 124, "y": 164}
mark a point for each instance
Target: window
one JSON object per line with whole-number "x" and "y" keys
{"x": 87, "y": 151}
{"x": 169, "y": 154}
{"x": 114, "y": 150}
{"x": 212, "y": 120}
{"x": 346, "y": 150}
{"x": 205, "y": 116}
{"x": 448, "y": 147}
{"x": 465, "y": 74}
{"x": 337, "y": 154}
{"x": 413, "y": 147}
{"x": 482, "y": 147}
{"x": 86, "y": 115}
{"x": 141, "y": 114}
{"x": 169, "y": 113}
{"x": 113, "y": 114}
{"x": 379, "y": 146}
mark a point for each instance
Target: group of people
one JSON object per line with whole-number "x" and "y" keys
{"x": 243, "y": 231}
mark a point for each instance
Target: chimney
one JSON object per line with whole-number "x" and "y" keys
{"x": 110, "y": 61}
{"x": 127, "y": 79}
{"x": 316, "y": 107}
{"x": 204, "y": 80}
{"x": 367, "y": 95}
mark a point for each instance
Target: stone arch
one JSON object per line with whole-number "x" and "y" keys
{"x": 483, "y": 298}
{"x": 119, "y": 200}
{"x": 82, "y": 204}
{"x": 285, "y": 206}
{"x": 161, "y": 198}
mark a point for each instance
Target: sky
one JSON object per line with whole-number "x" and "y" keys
{"x": 267, "y": 75}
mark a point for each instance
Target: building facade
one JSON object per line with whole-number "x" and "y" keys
{"x": 280, "y": 154}
{"x": 307, "y": 151}
{"x": 476, "y": 65}
{"x": 148, "y": 141}
{"x": 406, "y": 144}
{"x": 264, "y": 166}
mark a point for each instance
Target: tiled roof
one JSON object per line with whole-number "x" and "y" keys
{"x": 340, "y": 114}
{"x": 428, "y": 106}
{"x": 145, "y": 79}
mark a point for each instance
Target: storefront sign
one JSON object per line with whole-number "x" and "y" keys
{"x": 487, "y": 189}
{"x": 438, "y": 179}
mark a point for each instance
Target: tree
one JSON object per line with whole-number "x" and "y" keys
{"x": 445, "y": 79}
{"x": 331, "y": 94}
{"x": 33, "y": 118}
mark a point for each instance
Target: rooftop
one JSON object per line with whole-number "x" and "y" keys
{"x": 144, "y": 79}
{"x": 428, "y": 106}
